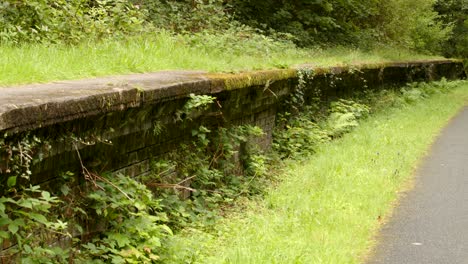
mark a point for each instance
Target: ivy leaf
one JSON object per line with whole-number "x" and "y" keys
{"x": 45, "y": 195}
{"x": 28, "y": 203}
{"x": 65, "y": 189}
{"x": 122, "y": 240}
{"x": 4, "y": 235}
{"x": 13, "y": 227}
{"x": 28, "y": 249}
{"x": 11, "y": 181}
{"x": 4, "y": 221}
{"x": 39, "y": 218}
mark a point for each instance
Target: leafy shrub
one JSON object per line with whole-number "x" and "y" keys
{"x": 52, "y": 21}
{"x": 240, "y": 40}
{"x": 343, "y": 106}
{"x": 412, "y": 24}
{"x": 28, "y": 232}
{"x": 418, "y": 91}
{"x": 455, "y": 13}
{"x": 186, "y": 15}
{"x": 35, "y": 226}
{"x": 298, "y": 136}
{"x": 339, "y": 124}
{"x": 309, "y": 21}
{"x": 133, "y": 222}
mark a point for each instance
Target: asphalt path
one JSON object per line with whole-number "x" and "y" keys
{"x": 430, "y": 225}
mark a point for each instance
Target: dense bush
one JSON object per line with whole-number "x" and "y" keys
{"x": 73, "y": 20}
{"x": 455, "y": 13}
{"x": 413, "y": 24}
{"x": 362, "y": 22}
{"x": 186, "y": 15}
{"x": 309, "y": 21}
{"x": 67, "y": 20}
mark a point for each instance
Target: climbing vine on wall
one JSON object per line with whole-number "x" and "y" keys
{"x": 115, "y": 218}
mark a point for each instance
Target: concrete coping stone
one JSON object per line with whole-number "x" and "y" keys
{"x": 28, "y": 107}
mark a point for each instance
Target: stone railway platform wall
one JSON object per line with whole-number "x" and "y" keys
{"x": 120, "y": 124}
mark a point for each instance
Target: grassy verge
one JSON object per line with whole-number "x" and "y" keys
{"x": 328, "y": 208}
{"x": 35, "y": 63}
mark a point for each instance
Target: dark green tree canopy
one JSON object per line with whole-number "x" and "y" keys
{"x": 362, "y": 23}
{"x": 455, "y": 13}
{"x": 310, "y": 20}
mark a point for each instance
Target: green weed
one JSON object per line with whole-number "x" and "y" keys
{"x": 327, "y": 208}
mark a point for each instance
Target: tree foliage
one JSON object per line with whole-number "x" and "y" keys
{"x": 67, "y": 20}
{"x": 455, "y": 13}
{"x": 186, "y": 15}
{"x": 362, "y": 22}
{"x": 414, "y": 24}
{"x": 309, "y": 20}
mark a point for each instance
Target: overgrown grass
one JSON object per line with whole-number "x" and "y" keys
{"x": 328, "y": 208}
{"x": 231, "y": 51}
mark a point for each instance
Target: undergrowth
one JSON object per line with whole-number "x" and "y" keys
{"x": 118, "y": 219}
{"x": 327, "y": 208}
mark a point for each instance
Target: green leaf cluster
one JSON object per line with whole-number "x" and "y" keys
{"x": 133, "y": 220}
{"x": 344, "y": 116}
{"x": 454, "y": 13}
{"x": 57, "y": 21}
{"x": 196, "y": 179}
{"x": 28, "y": 232}
{"x": 412, "y": 24}
{"x": 363, "y": 23}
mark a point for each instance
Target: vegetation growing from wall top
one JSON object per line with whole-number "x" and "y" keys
{"x": 362, "y": 23}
